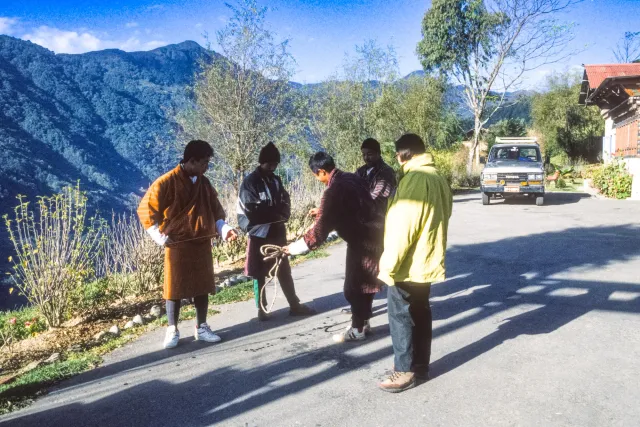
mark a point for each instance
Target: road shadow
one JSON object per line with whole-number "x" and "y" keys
{"x": 486, "y": 279}
{"x": 550, "y": 199}
{"x": 467, "y": 199}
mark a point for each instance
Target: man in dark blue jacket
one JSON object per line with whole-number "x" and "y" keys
{"x": 264, "y": 207}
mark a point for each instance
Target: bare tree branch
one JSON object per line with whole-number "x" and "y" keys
{"x": 628, "y": 48}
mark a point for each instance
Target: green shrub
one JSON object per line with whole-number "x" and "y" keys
{"x": 55, "y": 246}
{"x": 613, "y": 180}
{"x": 444, "y": 163}
{"x": 561, "y": 183}
{"x": 452, "y": 165}
{"x": 93, "y": 295}
{"x": 130, "y": 261}
{"x": 560, "y": 159}
{"x": 20, "y": 324}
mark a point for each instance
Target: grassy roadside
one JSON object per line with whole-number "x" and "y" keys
{"x": 21, "y": 392}
{"x": 572, "y": 186}
{"x": 25, "y": 388}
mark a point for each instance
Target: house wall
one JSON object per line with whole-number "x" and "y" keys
{"x": 633, "y": 164}
{"x": 622, "y": 142}
{"x": 627, "y": 140}
{"x": 626, "y": 146}
{"x": 608, "y": 141}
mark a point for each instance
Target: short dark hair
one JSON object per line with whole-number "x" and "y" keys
{"x": 197, "y": 150}
{"x": 321, "y": 160}
{"x": 269, "y": 154}
{"x": 409, "y": 145}
{"x": 371, "y": 144}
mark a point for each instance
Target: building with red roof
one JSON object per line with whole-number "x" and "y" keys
{"x": 615, "y": 89}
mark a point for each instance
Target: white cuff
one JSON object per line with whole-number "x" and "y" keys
{"x": 223, "y": 228}
{"x": 298, "y": 248}
{"x": 156, "y": 235}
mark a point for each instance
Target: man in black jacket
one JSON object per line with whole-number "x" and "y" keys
{"x": 263, "y": 209}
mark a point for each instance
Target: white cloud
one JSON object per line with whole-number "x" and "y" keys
{"x": 131, "y": 24}
{"x": 153, "y": 44}
{"x": 7, "y": 24}
{"x": 199, "y": 25}
{"x": 61, "y": 41}
{"x": 130, "y": 44}
{"x": 134, "y": 43}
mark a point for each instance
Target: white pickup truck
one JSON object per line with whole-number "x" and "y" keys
{"x": 514, "y": 168}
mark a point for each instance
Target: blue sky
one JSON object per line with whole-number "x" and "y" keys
{"x": 320, "y": 31}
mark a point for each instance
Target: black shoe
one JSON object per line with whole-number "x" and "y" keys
{"x": 263, "y": 316}
{"x": 301, "y": 310}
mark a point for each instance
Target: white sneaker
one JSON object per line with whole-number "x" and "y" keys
{"x": 350, "y": 334}
{"x": 204, "y": 333}
{"x": 367, "y": 327}
{"x": 172, "y": 337}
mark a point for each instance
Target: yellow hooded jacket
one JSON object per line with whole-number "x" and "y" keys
{"x": 415, "y": 235}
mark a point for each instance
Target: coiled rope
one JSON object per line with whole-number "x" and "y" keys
{"x": 275, "y": 253}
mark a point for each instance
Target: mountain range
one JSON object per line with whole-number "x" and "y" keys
{"x": 100, "y": 117}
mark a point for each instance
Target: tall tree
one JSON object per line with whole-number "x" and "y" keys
{"x": 510, "y": 127}
{"x": 489, "y": 46}
{"x": 628, "y": 48}
{"x": 242, "y": 100}
{"x": 565, "y": 126}
{"x": 343, "y": 115}
{"x": 417, "y": 105}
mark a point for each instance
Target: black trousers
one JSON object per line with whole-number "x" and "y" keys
{"x": 202, "y": 307}
{"x": 411, "y": 325}
{"x": 361, "y": 304}
{"x": 257, "y": 268}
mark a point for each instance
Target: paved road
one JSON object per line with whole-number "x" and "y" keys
{"x": 537, "y": 325}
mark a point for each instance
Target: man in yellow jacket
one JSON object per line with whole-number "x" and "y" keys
{"x": 415, "y": 243}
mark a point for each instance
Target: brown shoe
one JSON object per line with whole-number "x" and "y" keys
{"x": 398, "y": 381}
{"x": 421, "y": 371}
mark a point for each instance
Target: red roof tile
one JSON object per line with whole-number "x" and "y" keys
{"x": 598, "y": 73}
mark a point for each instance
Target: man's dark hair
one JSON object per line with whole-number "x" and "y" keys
{"x": 197, "y": 150}
{"x": 321, "y": 160}
{"x": 371, "y": 144}
{"x": 269, "y": 154}
{"x": 409, "y": 145}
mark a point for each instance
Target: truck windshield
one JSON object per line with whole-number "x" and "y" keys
{"x": 515, "y": 153}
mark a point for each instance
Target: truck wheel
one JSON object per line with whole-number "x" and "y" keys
{"x": 539, "y": 200}
{"x": 486, "y": 199}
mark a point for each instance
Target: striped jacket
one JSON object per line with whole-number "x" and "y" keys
{"x": 382, "y": 184}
